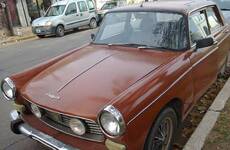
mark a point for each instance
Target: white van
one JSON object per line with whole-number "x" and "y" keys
{"x": 65, "y": 15}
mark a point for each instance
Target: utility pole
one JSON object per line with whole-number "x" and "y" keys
{"x": 8, "y": 16}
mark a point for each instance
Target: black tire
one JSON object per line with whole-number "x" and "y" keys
{"x": 41, "y": 36}
{"x": 60, "y": 31}
{"x": 93, "y": 23}
{"x": 223, "y": 68}
{"x": 155, "y": 139}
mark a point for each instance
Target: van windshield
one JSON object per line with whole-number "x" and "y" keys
{"x": 55, "y": 10}
{"x": 162, "y": 30}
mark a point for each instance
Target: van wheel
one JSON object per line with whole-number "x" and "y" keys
{"x": 162, "y": 133}
{"x": 60, "y": 31}
{"x": 93, "y": 23}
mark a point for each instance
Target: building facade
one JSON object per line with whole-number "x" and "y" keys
{"x": 20, "y": 13}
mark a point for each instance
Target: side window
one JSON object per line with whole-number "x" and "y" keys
{"x": 91, "y": 4}
{"x": 213, "y": 21}
{"x": 71, "y": 9}
{"x": 82, "y": 6}
{"x": 198, "y": 26}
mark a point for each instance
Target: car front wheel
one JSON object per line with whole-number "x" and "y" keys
{"x": 162, "y": 133}
{"x": 93, "y": 23}
{"x": 60, "y": 31}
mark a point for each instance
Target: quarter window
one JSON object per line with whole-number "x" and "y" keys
{"x": 91, "y": 5}
{"x": 214, "y": 23}
{"x": 198, "y": 26}
{"x": 82, "y": 6}
{"x": 72, "y": 9}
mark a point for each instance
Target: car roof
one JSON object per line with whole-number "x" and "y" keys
{"x": 61, "y": 3}
{"x": 64, "y": 2}
{"x": 180, "y": 6}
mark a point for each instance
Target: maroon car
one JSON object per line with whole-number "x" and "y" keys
{"x": 131, "y": 87}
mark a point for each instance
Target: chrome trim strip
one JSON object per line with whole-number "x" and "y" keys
{"x": 178, "y": 79}
{"x": 39, "y": 136}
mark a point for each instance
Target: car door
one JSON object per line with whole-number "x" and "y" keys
{"x": 203, "y": 60}
{"x": 221, "y": 34}
{"x": 84, "y": 13}
{"x": 71, "y": 17}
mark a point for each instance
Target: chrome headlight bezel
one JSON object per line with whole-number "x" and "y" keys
{"x": 12, "y": 86}
{"x": 117, "y": 116}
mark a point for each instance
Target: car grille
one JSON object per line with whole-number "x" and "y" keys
{"x": 61, "y": 122}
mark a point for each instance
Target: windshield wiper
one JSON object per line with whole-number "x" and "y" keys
{"x": 139, "y": 46}
{"x": 153, "y": 47}
{"x": 225, "y": 9}
{"x": 127, "y": 44}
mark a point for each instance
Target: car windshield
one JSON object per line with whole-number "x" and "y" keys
{"x": 143, "y": 29}
{"x": 55, "y": 10}
{"x": 223, "y": 4}
{"x": 108, "y": 6}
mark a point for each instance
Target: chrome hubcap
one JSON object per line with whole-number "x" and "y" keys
{"x": 93, "y": 23}
{"x": 163, "y": 135}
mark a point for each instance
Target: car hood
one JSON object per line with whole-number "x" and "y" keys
{"x": 43, "y": 20}
{"x": 86, "y": 81}
{"x": 102, "y": 12}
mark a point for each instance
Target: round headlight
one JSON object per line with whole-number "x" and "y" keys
{"x": 36, "y": 111}
{"x": 112, "y": 121}
{"x": 77, "y": 126}
{"x": 8, "y": 88}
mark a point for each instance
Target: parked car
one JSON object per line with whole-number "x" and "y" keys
{"x": 224, "y": 5}
{"x": 105, "y": 8}
{"x": 131, "y": 87}
{"x": 65, "y": 15}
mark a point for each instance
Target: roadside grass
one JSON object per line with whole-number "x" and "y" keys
{"x": 219, "y": 138}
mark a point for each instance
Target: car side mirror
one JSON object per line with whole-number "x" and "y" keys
{"x": 206, "y": 42}
{"x": 92, "y": 36}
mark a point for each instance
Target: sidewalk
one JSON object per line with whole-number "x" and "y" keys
{"x": 219, "y": 138}
{"x": 20, "y": 35}
{"x": 213, "y": 132}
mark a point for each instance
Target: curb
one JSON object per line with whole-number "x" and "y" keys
{"x": 197, "y": 139}
{"x": 17, "y": 39}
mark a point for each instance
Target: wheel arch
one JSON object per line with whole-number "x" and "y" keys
{"x": 60, "y": 24}
{"x": 93, "y": 18}
{"x": 177, "y": 105}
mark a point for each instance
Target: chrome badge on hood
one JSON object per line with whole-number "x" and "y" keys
{"x": 53, "y": 96}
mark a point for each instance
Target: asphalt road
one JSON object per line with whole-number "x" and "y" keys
{"x": 17, "y": 57}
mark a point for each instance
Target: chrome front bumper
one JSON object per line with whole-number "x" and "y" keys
{"x": 45, "y": 139}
